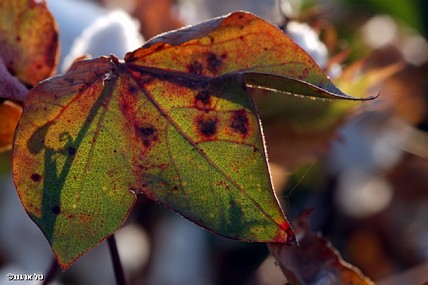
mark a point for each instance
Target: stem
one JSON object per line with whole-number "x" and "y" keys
{"x": 117, "y": 265}
{"x": 51, "y": 274}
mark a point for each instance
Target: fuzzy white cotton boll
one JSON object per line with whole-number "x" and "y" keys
{"x": 291, "y": 8}
{"x": 362, "y": 194}
{"x": 308, "y": 39}
{"x": 115, "y": 33}
{"x": 133, "y": 246}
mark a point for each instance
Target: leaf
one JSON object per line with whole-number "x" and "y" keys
{"x": 147, "y": 12}
{"x": 9, "y": 116}
{"x": 174, "y": 122}
{"x": 28, "y": 42}
{"x": 11, "y": 87}
{"x": 297, "y": 130}
{"x": 314, "y": 260}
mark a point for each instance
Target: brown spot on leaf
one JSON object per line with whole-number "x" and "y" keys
{"x": 148, "y": 134}
{"x": 207, "y": 126}
{"x": 84, "y": 218}
{"x": 213, "y": 62}
{"x": 304, "y": 74}
{"x": 36, "y": 177}
{"x": 239, "y": 122}
{"x": 195, "y": 67}
{"x": 159, "y": 46}
{"x": 203, "y": 100}
{"x": 132, "y": 89}
{"x": 204, "y": 97}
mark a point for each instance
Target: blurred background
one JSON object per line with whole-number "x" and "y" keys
{"x": 362, "y": 168}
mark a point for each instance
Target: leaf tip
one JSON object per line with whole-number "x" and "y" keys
{"x": 285, "y": 234}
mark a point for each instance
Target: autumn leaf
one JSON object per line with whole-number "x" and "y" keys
{"x": 314, "y": 260}
{"x": 28, "y": 54}
{"x": 9, "y": 116}
{"x": 174, "y": 122}
{"x": 297, "y": 130}
{"x": 28, "y": 46}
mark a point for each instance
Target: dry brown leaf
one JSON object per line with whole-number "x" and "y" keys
{"x": 314, "y": 260}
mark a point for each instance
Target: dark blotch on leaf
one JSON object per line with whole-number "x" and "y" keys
{"x": 56, "y": 210}
{"x": 207, "y": 126}
{"x": 132, "y": 89}
{"x": 148, "y": 134}
{"x": 213, "y": 62}
{"x": 239, "y": 122}
{"x": 71, "y": 150}
{"x": 195, "y": 67}
{"x": 203, "y": 97}
{"x": 36, "y": 177}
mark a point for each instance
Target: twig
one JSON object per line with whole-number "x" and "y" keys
{"x": 117, "y": 265}
{"x": 52, "y": 273}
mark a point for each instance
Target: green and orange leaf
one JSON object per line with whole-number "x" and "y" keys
{"x": 174, "y": 122}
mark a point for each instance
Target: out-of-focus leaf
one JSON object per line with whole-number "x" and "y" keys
{"x": 9, "y": 116}
{"x": 147, "y": 12}
{"x": 11, "y": 87}
{"x": 298, "y": 130}
{"x": 174, "y": 122}
{"x": 28, "y": 41}
{"x": 314, "y": 260}
{"x": 362, "y": 83}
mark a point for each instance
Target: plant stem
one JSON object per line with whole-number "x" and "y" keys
{"x": 117, "y": 265}
{"x": 53, "y": 271}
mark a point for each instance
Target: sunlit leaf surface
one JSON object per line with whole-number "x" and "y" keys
{"x": 174, "y": 122}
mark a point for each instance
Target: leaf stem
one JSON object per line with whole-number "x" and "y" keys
{"x": 117, "y": 265}
{"x": 52, "y": 273}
